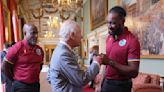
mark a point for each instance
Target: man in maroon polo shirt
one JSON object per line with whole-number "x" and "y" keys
{"x": 122, "y": 54}
{"x": 23, "y": 62}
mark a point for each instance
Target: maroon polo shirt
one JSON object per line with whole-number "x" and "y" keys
{"x": 26, "y": 61}
{"x": 123, "y": 50}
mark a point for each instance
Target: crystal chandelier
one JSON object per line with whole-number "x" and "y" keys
{"x": 53, "y": 25}
{"x": 65, "y": 8}
{"x": 53, "y": 22}
{"x": 68, "y": 5}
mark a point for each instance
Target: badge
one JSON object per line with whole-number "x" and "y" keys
{"x": 25, "y": 51}
{"x": 38, "y": 51}
{"x": 122, "y": 42}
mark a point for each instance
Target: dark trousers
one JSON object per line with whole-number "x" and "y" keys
{"x": 24, "y": 87}
{"x": 116, "y": 85}
{"x": 6, "y": 81}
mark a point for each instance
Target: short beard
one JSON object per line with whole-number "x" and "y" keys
{"x": 32, "y": 43}
{"x": 115, "y": 33}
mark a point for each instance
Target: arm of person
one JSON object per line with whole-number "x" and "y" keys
{"x": 9, "y": 60}
{"x": 41, "y": 64}
{"x": 132, "y": 68}
{"x": 7, "y": 69}
{"x": 74, "y": 74}
{"x": 99, "y": 79}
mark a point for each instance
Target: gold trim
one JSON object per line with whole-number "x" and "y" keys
{"x": 152, "y": 56}
{"x": 7, "y": 11}
{"x": 5, "y": 59}
{"x": 133, "y": 60}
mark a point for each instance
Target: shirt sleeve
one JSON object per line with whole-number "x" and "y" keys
{"x": 74, "y": 74}
{"x": 12, "y": 52}
{"x": 134, "y": 51}
{"x": 42, "y": 55}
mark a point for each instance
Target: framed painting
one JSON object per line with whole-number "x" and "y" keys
{"x": 98, "y": 12}
{"x": 7, "y": 23}
{"x": 84, "y": 48}
{"x": 147, "y": 26}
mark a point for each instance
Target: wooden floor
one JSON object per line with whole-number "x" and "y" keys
{"x": 44, "y": 85}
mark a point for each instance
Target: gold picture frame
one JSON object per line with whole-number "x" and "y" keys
{"x": 84, "y": 48}
{"x": 7, "y": 23}
{"x": 98, "y": 12}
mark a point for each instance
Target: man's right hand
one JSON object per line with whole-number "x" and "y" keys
{"x": 98, "y": 59}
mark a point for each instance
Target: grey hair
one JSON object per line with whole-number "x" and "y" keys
{"x": 67, "y": 28}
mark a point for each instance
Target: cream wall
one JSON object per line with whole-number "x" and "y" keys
{"x": 154, "y": 66}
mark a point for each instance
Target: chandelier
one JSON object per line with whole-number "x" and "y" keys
{"x": 67, "y": 5}
{"x": 52, "y": 24}
{"x": 65, "y": 8}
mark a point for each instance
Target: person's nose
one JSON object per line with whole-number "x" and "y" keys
{"x": 81, "y": 37}
{"x": 113, "y": 26}
{"x": 35, "y": 35}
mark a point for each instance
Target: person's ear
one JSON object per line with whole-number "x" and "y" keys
{"x": 73, "y": 35}
{"x": 123, "y": 20}
{"x": 24, "y": 33}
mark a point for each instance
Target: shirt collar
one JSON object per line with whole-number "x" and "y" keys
{"x": 125, "y": 32}
{"x": 66, "y": 45}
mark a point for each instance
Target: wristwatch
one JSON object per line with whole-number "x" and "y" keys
{"x": 111, "y": 63}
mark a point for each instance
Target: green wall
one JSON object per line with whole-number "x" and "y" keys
{"x": 154, "y": 66}
{"x": 111, "y": 3}
{"x": 86, "y": 13}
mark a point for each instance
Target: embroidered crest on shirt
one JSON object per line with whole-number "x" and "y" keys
{"x": 24, "y": 51}
{"x": 122, "y": 42}
{"x": 38, "y": 51}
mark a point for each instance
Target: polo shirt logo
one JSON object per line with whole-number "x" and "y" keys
{"x": 38, "y": 51}
{"x": 122, "y": 42}
{"x": 25, "y": 51}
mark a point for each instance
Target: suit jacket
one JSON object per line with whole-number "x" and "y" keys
{"x": 65, "y": 74}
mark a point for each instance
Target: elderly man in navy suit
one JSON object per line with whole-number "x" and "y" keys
{"x": 65, "y": 74}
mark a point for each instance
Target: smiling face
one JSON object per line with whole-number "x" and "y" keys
{"x": 31, "y": 34}
{"x": 115, "y": 23}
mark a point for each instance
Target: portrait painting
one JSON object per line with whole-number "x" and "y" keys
{"x": 84, "y": 48}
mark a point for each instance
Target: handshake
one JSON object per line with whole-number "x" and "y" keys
{"x": 102, "y": 59}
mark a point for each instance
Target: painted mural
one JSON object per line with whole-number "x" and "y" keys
{"x": 146, "y": 20}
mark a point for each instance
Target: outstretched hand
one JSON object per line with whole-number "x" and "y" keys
{"x": 105, "y": 59}
{"x": 98, "y": 59}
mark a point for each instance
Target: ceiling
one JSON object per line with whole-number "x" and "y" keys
{"x": 29, "y": 9}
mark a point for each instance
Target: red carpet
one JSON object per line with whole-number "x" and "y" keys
{"x": 87, "y": 89}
